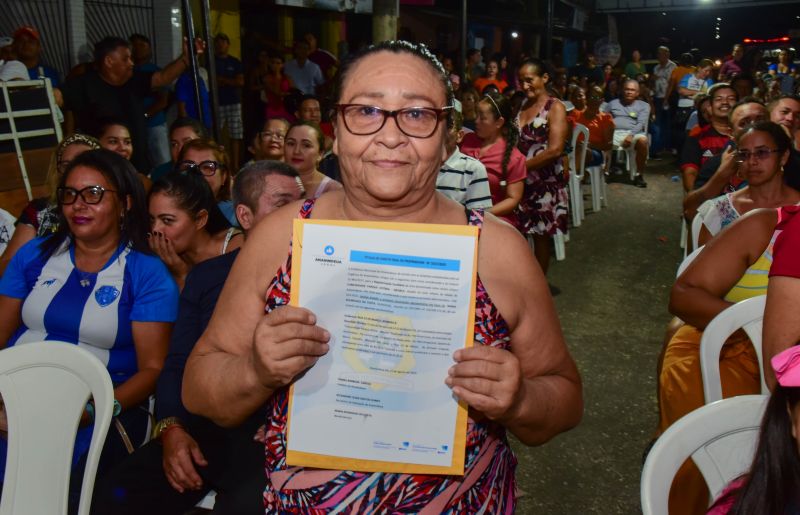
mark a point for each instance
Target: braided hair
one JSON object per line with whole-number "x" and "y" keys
{"x": 501, "y": 106}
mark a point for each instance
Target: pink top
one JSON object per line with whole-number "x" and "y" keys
{"x": 492, "y": 159}
{"x": 722, "y": 508}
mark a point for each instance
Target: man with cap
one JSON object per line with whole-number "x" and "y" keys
{"x": 112, "y": 89}
{"x": 28, "y": 47}
{"x": 230, "y": 80}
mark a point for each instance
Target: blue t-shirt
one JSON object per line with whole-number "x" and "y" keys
{"x": 184, "y": 92}
{"x": 160, "y": 118}
{"x": 41, "y": 70}
{"x": 229, "y": 67}
{"x": 91, "y": 310}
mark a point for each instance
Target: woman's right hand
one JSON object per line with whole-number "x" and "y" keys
{"x": 166, "y": 251}
{"x": 287, "y": 341}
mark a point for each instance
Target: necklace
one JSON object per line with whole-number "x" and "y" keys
{"x": 85, "y": 278}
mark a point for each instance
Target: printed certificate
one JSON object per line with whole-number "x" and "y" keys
{"x": 398, "y": 300}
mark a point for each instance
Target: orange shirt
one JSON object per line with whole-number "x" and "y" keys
{"x": 597, "y": 127}
{"x": 482, "y": 82}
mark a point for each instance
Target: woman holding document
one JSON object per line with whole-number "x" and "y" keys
{"x": 518, "y": 375}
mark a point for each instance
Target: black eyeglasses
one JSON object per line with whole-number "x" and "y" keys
{"x": 207, "y": 168}
{"x": 416, "y": 122}
{"x": 742, "y": 156}
{"x": 278, "y": 136}
{"x": 89, "y": 194}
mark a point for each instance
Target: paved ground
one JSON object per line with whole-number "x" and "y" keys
{"x": 614, "y": 286}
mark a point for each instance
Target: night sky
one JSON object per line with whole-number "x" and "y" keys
{"x": 683, "y": 30}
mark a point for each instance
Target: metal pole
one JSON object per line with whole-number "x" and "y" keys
{"x": 463, "y": 57}
{"x": 212, "y": 70}
{"x": 548, "y": 43}
{"x": 189, "y": 25}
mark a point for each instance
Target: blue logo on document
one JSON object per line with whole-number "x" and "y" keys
{"x": 329, "y": 250}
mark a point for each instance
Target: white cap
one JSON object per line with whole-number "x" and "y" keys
{"x": 13, "y": 70}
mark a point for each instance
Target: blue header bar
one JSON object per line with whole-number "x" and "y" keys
{"x": 377, "y": 258}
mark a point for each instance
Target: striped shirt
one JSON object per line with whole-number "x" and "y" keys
{"x": 464, "y": 179}
{"x": 91, "y": 310}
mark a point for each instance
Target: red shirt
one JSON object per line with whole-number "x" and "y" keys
{"x": 597, "y": 127}
{"x": 786, "y": 252}
{"x": 698, "y": 149}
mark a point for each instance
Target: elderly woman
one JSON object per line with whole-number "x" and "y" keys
{"x": 393, "y": 101}
{"x": 40, "y": 217}
{"x": 94, "y": 283}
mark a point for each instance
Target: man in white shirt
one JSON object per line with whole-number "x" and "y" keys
{"x": 306, "y": 75}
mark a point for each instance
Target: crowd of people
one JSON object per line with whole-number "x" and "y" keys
{"x": 149, "y": 251}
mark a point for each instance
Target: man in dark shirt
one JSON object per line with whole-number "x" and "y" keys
{"x": 114, "y": 90}
{"x": 712, "y": 138}
{"x": 190, "y": 455}
{"x": 230, "y": 79}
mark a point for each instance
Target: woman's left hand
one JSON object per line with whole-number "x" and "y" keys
{"x": 488, "y": 379}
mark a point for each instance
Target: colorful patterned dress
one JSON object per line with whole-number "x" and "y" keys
{"x": 487, "y": 485}
{"x": 543, "y": 209}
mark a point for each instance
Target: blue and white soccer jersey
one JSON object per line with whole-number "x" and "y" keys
{"x": 92, "y": 310}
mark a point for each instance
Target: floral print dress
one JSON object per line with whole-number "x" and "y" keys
{"x": 544, "y": 206}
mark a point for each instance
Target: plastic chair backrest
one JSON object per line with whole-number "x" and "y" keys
{"x": 577, "y": 131}
{"x": 720, "y": 438}
{"x": 748, "y": 315}
{"x": 45, "y": 388}
{"x": 697, "y": 223}
{"x": 688, "y": 260}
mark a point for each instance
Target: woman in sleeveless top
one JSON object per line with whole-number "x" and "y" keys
{"x": 763, "y": 150}
{"x": 392, "y": 113}
{"x": 303, "y": 148}
{"x": 543, "y": 132}
{"x": 732, "y": 267}
{"x": 187, "y": 226}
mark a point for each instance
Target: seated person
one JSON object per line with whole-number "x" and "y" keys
{"x": 759, "y": 146}
{"x": 600, "y": 125}
{"x": 95, "y": 283}
{"x": 115, "y": 135}
{"x": 732, "y": 267}
{"x": 461, "y": 177}
{"x": 630, "y": 125}
{"x": 40, "y": 216}
{"x": 206, "y": 157}
{"x": 267, "y": 143}
{"x": 190, "y": 455}
{"x": 186, "y": 226}
{"x": 181, "y": 131}
{"x": 303, "y": 149}
{"x": 771, "y": 482}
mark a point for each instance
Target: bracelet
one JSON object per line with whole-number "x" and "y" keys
{"x": 167, "y": 430}
{"x": 117, "y": 408}
{"x": 90, "y": 411}
{"x": 164, "y": 424}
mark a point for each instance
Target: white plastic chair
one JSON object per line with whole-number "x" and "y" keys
{"x": 720, "y": 438}
{"x": 748, "y": 315}
{"x": 577, "y": 165}
{"x": 599, "y": 188}
{"x": 45, "y": 388}
{"x": 697, "y": 223}
{"x": 688, "y": 260}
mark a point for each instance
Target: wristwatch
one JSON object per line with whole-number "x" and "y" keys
{"x": 163, "y": 424}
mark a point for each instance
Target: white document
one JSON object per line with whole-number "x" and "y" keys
{"x": 397, "y": 304}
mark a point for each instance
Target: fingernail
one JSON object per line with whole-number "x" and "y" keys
{"x": 326, "y": 335}
{"x": 325, "y": 347}
{"x": 451, "y": 371}
{"x": 448, "y": 381}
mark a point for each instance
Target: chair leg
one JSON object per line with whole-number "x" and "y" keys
{"x": 574, "y": 199}
{"x": 630, "y": 152}
{"x": 559, "y": 243}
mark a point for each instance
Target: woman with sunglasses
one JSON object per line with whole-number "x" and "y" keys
{"x": 393, "y": 107}
{"x": 206, "y": 157}
{"x": 494, "y": 143}
{"x": 303, "y": 148}
{"x": 762, "y": 151}
{"x": 186, "y": 224}
{"x": 95, "y": 283}
{"x": 40, "y": 216}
